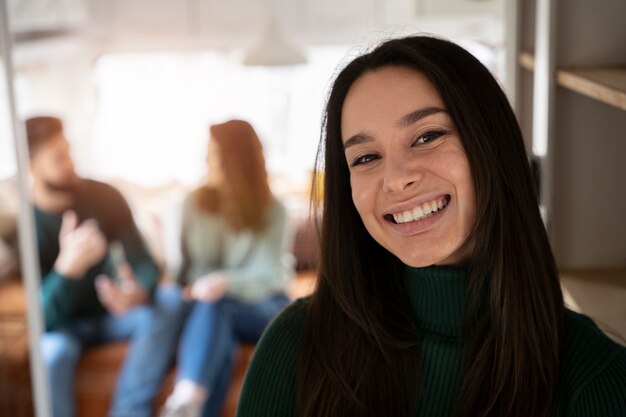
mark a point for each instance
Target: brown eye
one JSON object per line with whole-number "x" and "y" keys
{"x": 364, "y": 159}
{"x": 429, "y": 137}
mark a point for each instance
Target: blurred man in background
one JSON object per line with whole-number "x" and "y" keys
{"x": 94, "y": 291}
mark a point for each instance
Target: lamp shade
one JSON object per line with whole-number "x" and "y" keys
{"x": 274, "y": 48}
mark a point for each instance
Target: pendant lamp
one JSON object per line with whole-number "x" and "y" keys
{"x": 274, "y": 47}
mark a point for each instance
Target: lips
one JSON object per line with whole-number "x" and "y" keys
{"x": 419, "y": 212}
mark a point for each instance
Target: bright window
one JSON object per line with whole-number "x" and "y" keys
{"x": 154, "y": 109}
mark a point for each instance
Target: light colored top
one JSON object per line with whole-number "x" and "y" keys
{"x": 257, "y": 264}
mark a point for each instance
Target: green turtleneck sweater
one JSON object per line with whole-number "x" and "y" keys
{"x": 593, "y": 367}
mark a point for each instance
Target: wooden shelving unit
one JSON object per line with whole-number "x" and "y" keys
{"x": 607, "y": 85}
{"x": 571, "y": 104}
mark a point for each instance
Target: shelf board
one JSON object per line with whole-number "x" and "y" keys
{"x": 607, "y": 85}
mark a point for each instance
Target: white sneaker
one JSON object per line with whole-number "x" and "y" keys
{"x": 177, "y": 409}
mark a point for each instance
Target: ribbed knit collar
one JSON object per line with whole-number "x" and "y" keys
{"x": 438, "y": 295}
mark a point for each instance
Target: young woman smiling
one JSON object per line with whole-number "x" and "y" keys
{"x": 438, "y": 293}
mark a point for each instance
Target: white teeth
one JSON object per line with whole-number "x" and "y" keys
{"x": 420, "y": 212}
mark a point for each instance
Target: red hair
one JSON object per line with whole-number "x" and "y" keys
{"x": 243, "y": 195}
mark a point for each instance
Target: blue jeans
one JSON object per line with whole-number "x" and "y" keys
{"x": 210, "y": 336}
{"x": 152, "y": 331}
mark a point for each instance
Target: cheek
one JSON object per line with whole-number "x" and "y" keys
{"x": 61, "y": 168}
{"x": 66, "y": 167}
{"x": 466, "y": 194}
{"x": 467, "y": 188}
{"x": 361, "y": 196}
{"x": 457, "y": 171}
{"x": 48, "y": 169}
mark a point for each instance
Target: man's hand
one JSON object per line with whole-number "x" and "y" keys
{"x": 81, "y": 246}
{"x": 120, "y": 299}
{"x": 209, "y": 288}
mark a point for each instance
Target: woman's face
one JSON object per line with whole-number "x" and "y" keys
{"x": 216, "y": 174}
{"x": 410, "y": 177}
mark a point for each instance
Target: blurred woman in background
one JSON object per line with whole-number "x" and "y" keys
{"x": 235, "y": 267}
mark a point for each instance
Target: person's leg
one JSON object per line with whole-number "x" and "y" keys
{"x": 208, "y": 345}
{"x": 237, "y": 322}
{"x": 60, "y": 351}
{"x": 203, "y": 360}
{"x": 251, "y": 319}
{"x": 153, "y": 332}
{"x": 196, "y": 342}
{"x": 215, "y": 402}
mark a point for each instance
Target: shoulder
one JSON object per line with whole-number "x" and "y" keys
{"x": 190, "y": 204}
{"x": 285, "y": 331}
{"x": 277, "y": 208}
{"x": 93, "y": 189}
{"x": 276, "y": 216}
{"x": 583, "y": 337}
{"x": 270, "y": 381}
{"x": 201, "y": 201}
{"x": 593, "y": 370}
{"x": 97, "y": 186}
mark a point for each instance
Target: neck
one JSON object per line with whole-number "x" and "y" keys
{"x": 438, "y": 296}
{"x": 49, "y": 200}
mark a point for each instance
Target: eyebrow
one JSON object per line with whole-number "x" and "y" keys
{"x": 356, "y": 140}
{"x": 417, "y": 115}
{"x": 405, "y": 121}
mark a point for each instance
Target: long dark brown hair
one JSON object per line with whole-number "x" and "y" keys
{"x": 360, "y": 353}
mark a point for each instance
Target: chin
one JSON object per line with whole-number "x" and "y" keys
{"x": 67, "y": 185}
{"x": 414, "y": 258}
{"x": 453, "y": 256}
{"x": 418, "y": 262}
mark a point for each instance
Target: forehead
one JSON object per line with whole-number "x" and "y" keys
{"x": 384, "y": 96}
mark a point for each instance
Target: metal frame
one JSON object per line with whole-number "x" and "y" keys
{"x": 29, "y": 257}
{"x": 544, "y": 90}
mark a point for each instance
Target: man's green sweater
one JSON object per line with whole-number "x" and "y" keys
{"x": 593, "y": 367}
{"x": 65, "y": 300}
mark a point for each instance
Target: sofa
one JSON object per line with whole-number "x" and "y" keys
{"x": 98, "y": 367}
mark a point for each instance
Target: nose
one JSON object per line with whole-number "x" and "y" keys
{"x": 67, "y": 165}
{"x": 400, "y": 175}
